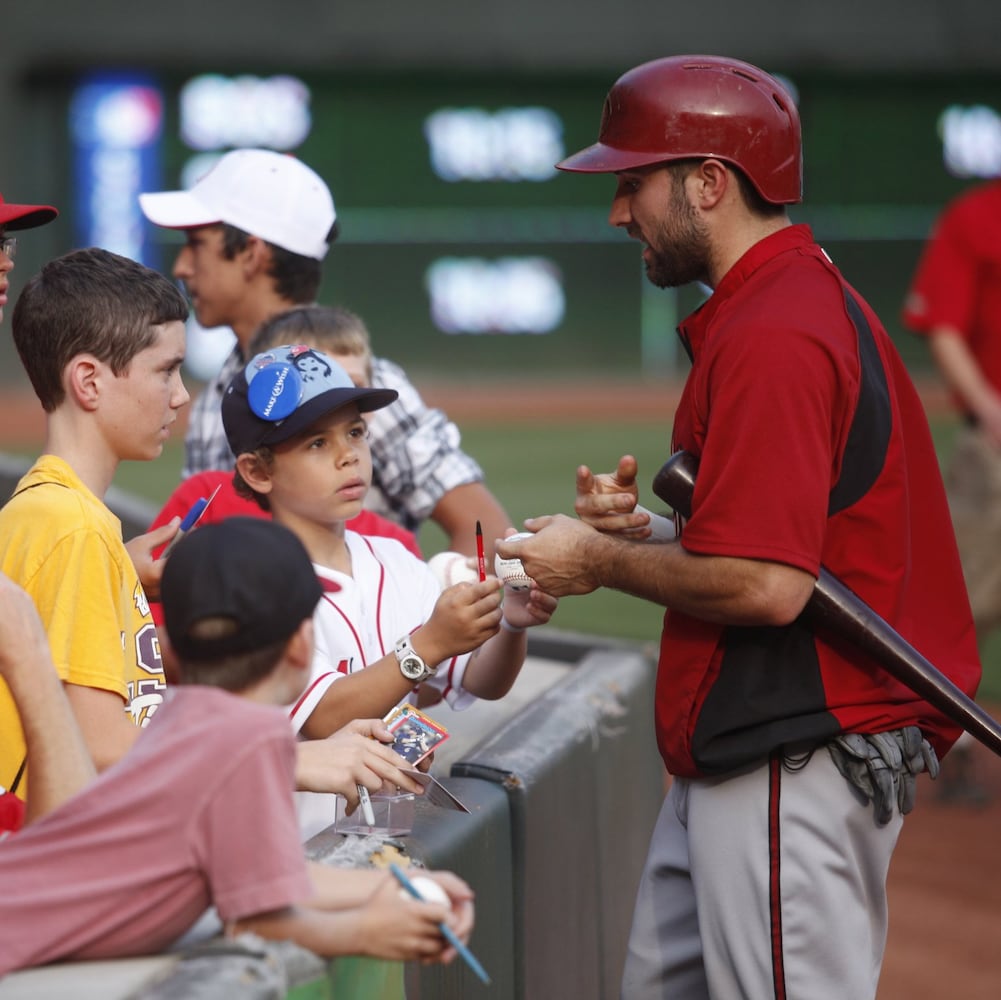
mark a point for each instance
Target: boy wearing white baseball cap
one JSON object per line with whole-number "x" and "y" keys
{"x": 258, "y": 225}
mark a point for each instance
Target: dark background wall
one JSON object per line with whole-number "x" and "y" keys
{"x": 872, "y": 76}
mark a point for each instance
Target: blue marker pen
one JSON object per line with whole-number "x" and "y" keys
{"x": 464, "y": 953}
{"x": 190, "y": 520}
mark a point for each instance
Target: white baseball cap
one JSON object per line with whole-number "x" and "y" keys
{"x": 271, "y": 195}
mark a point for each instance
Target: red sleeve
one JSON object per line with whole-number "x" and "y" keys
{"x": 179, "y": 502}
{"x": 944, "y": 289}
{"x": 226, "y": 503}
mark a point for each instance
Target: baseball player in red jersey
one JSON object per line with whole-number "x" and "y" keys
{"x": 794, "y": 757}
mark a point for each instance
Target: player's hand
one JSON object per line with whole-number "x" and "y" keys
{"x": 525, "y": 608}
{"x": 607, "y": 501}
{"x": 141, "y": 549}
{"x": 560, "y": 556}
{"x": 464, "y": 617}
{"x": 358, "y": 754}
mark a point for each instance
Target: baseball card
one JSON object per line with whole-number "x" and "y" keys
{"x": 415, "y": 734}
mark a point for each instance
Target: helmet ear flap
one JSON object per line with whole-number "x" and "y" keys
{"x": 686, "y": 107}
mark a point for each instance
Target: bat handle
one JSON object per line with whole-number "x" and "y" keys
{"x": 675, "y": 482}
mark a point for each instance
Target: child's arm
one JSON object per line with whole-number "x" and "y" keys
{"x": 494, "y": 668}
{"x": 464, "y": 617}
{"x": 104, "y": 723}
{"x": 361, "y": 912}
{"x": 58, "y": 759}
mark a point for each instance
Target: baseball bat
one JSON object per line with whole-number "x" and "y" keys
{"x": 837, "y": 608}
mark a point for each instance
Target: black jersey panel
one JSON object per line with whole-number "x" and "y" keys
{"x": 869, "y": 435}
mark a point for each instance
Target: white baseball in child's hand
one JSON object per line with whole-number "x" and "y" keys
{"x": 431, "y": 891}
{"x": 451, "y": 568}
{"x": 511, "y": 571}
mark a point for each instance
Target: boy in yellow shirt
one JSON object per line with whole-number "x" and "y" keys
{"x": 102, "y": 340}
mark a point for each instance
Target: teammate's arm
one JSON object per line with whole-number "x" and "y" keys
{"x": 963, "y": 374}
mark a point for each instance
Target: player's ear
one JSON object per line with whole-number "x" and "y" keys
{"x": 710, "y": 182}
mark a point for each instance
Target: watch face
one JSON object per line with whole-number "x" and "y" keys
{"x": 412, "y": 667}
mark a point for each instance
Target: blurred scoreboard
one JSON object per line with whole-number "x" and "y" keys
{"x": 466, "y": 252}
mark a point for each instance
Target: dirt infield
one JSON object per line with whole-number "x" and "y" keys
{"x": 945, "y": 892}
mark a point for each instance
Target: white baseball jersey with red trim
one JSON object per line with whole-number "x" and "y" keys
{"x": 359, "y": 618}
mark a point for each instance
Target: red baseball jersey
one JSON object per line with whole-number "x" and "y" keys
{"x": 814, "y": 451}
{"x": 957, "y": 283}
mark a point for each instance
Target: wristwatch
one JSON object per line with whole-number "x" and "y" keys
{"x": 411, "y": 665}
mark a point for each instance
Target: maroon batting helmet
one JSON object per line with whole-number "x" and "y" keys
{"x": 700, "y": 106}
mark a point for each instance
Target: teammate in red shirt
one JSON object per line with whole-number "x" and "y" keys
{"x": 955, "y": 301}
{"x": 794, "y": 755}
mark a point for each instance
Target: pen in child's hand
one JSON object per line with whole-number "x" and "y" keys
{"x": 481, "y": 563}
{"x": 464, "y": 953}
{"x": 366, "y": 805}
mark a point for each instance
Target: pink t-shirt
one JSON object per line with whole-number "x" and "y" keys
{"x": 199, "y": 812}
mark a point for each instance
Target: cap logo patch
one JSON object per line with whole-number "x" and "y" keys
{"x": 275, "y": 391}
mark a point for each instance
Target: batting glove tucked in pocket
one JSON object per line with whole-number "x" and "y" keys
{"x": 884, "y": 767}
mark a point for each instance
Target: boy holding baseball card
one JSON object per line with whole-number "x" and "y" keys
{"x": 385, "y": 631}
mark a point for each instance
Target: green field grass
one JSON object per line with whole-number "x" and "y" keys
{"x": 531, "y": 470}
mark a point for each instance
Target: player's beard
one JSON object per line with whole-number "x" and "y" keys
{"x": 679, "y": 246}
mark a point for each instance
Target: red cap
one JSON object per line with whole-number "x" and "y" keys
{"x": 24, "y": 216}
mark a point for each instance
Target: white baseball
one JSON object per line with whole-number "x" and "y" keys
{"x": 451, "y": 568}
{"x": 430, "y": 891}
{"x": 511, "y": 571}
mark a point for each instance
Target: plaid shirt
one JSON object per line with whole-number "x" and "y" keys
{"x": 416, "y": 453}
{"x": 205, "y": 444}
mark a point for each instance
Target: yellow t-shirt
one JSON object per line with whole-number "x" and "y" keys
{"x": 64, "y": 547}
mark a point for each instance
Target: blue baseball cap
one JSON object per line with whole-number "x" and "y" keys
{"x": 284, "y": 390}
